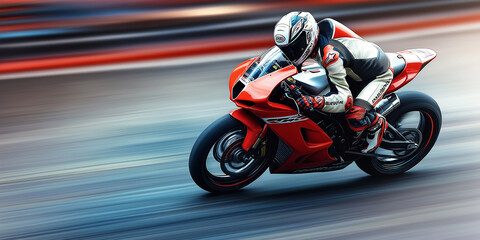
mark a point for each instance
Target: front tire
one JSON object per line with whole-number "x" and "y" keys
{"x": 217, "y": 161}
{"x": 425, "y": 134}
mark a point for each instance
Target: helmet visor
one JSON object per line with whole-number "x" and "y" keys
{"x": 295, "y": 49}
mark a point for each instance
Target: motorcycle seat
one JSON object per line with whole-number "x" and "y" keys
{"x": 397, "y": 63}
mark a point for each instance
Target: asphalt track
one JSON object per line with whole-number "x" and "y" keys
{"x": 105, "y": 155}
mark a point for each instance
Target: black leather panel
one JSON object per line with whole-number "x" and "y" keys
{"x": 397, "y": 63}
{"x": 366, "y": 69}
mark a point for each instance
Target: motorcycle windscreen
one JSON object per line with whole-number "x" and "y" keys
{"x": 270, "y": 61}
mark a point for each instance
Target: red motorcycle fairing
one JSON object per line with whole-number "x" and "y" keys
{"x": 253, "y": 126}
{"x": 415, "y": 60}
{"x": 237, "y": 73}
{"x": 308, "y": 142}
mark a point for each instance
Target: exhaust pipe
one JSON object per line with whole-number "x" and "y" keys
{"x": 388, "y": 104}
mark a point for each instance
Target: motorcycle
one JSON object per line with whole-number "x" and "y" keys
{"x": 268, "y": 130}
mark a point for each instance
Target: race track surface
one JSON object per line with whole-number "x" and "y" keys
{"x": 105, "y": 155}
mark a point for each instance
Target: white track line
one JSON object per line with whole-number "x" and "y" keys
{"x": 73, "y": 169}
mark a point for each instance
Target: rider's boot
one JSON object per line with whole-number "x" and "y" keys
{"x": 374, "y": 135}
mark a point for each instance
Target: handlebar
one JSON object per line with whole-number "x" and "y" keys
{"x": 293, "y": 93}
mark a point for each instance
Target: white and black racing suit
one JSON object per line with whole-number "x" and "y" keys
{"x": 357, "y": 69}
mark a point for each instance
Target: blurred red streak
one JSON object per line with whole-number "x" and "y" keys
{"x": 13, "y": 2}
{"x": 379, "y": 29}
{"x": 6, "y": 2}
{"x": 12, "y": 9}
{"x": 11, "y": 18}
{"x": 192, "y": 48}
{"x": 138, "y": 54}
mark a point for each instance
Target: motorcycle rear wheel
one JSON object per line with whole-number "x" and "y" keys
{"x": 218, "y": 163}
{"x": 424, "y": 134}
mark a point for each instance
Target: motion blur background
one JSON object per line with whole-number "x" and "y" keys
{"x": 101, "y": 101}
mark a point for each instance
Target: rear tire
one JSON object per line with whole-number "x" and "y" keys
{"x": 430, "y": 122}
{"x": 220, "y": 144}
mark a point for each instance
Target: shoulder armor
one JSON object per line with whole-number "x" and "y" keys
{"x": 329, "y": 55}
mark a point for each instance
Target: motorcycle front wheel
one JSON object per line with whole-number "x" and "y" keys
{"x": 218, "y": 163}
{"x": 418, "y": 119}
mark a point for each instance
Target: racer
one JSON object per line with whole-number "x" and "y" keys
{"x": 356, "y": 69}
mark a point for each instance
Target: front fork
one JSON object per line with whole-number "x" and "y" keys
{"x": 255, "y": 132}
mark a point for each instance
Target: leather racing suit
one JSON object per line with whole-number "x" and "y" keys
{"x": 357, "y": 69}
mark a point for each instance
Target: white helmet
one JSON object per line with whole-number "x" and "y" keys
{"x": 296, "y": 35}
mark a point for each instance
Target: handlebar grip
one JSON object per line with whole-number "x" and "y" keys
{"x": 296, "y": 93}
